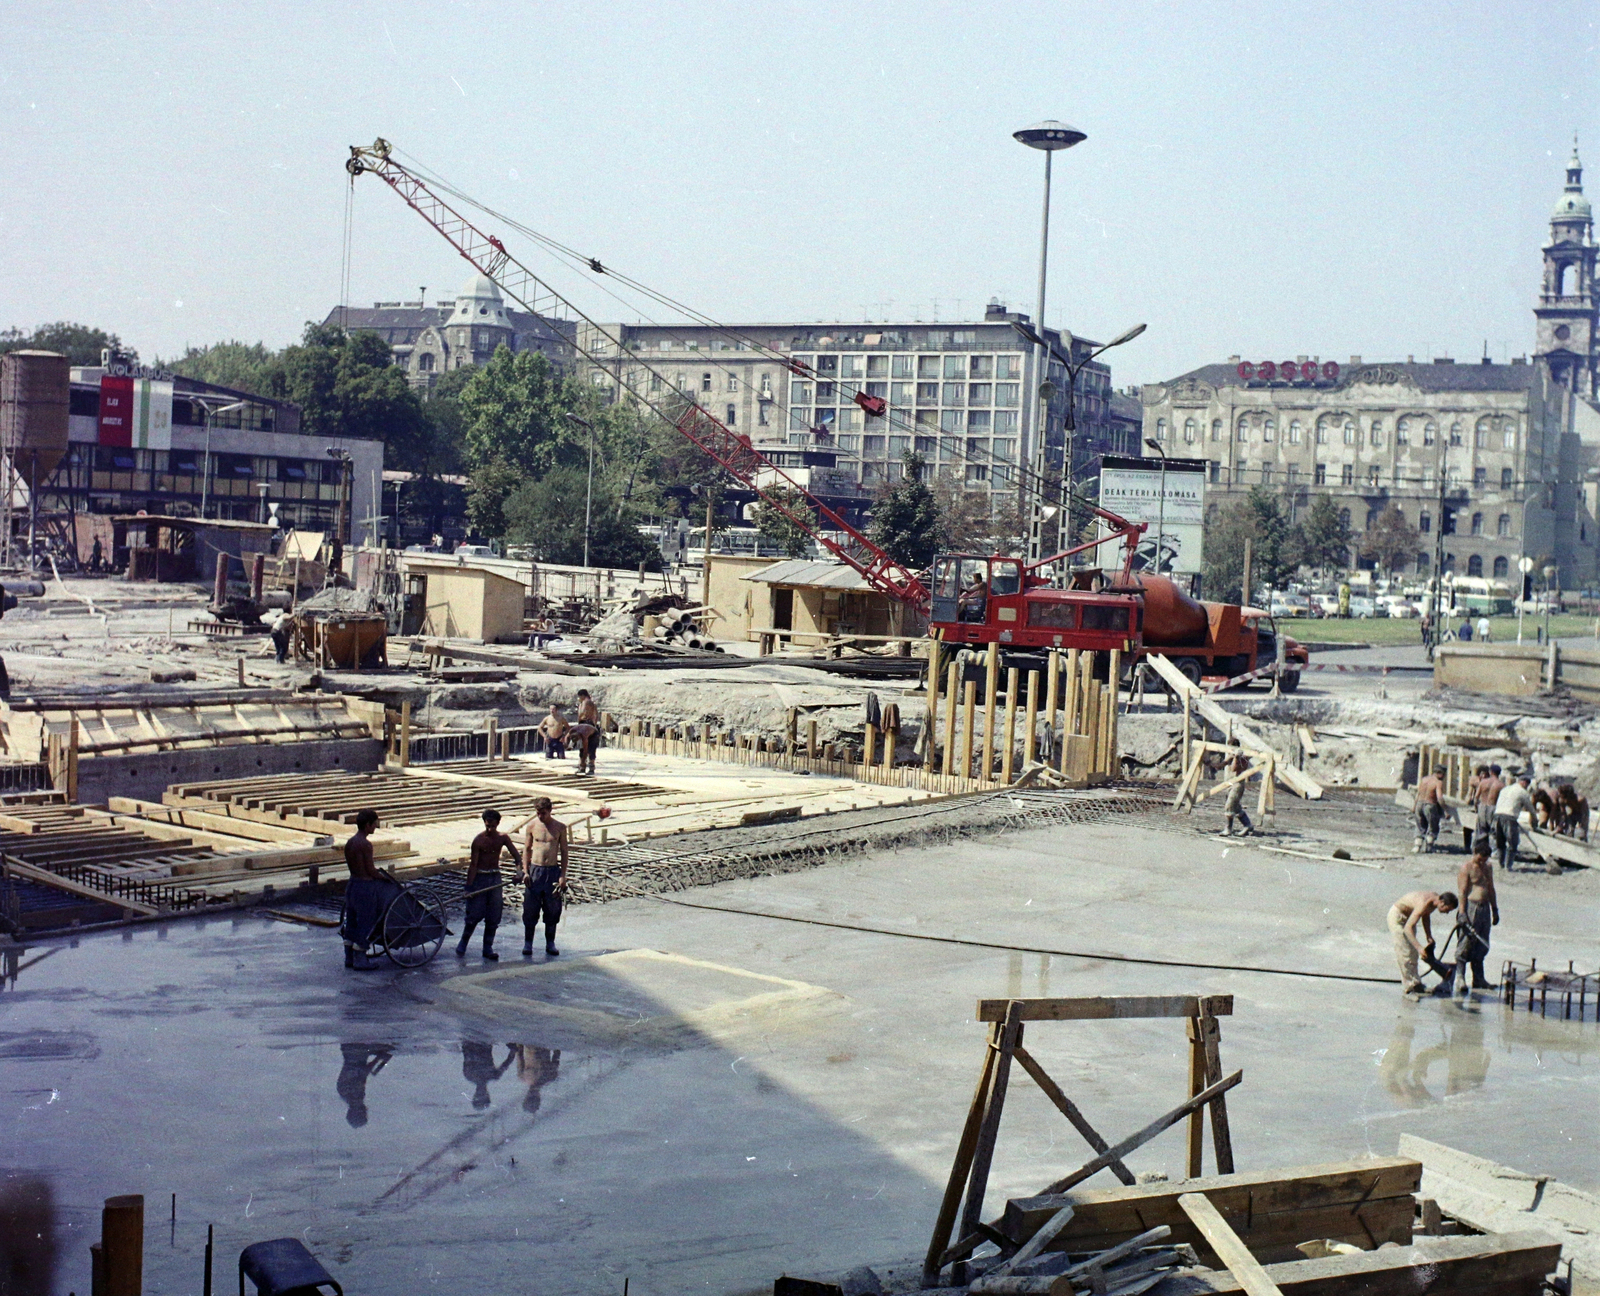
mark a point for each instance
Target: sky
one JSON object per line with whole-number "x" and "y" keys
{"x": 1258, "y": 180}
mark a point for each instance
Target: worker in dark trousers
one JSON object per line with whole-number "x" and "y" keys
{"x": 1512, "y": 803}
{"x": 485, "y": 899}
{"x": 1480, "y": 911}
{"x": 1234, "y": 808}
{"x": 546, "y": 850}
{"x": 479, "y": 1071}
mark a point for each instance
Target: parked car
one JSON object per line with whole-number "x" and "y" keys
{"x": 474, "y": 551}
{"x": 1397, "y": 605}
{"x": 1326, "y": 604}
{"x": 1363, "y": 607}
{"x": 1290, "y": 605}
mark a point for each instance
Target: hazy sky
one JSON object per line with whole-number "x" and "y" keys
{"x": 1268, "y": 180}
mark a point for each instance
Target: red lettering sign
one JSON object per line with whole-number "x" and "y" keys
{"x": 116, "y": 412}
{"x": 1288, "y": 371}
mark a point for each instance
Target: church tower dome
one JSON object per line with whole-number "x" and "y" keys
{"x": 1568, "y": 311}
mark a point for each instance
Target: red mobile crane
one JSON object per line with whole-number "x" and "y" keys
{"x": 975, "y": 599}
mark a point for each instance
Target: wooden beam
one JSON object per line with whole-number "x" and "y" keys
{"x": 1069, "y": 1109}
{"x": 1101, "y": 1009}
{"x": 46, "y": 878}
{"x": 1233, "y": 1253}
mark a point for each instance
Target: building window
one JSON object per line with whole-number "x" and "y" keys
{"x": 1161, "y": 429}
{"x": 1508, "y": 439}
{"x": 1430, "y": 430}
{"x": 1006, "y": 394}
{"x": 1422, "y": 561}
{"x": 1216, "y": 472}
{"x": 733, "y": 415}
{"x": 1008, "y": 366}
{"x": 1294, "y": 432}
{"x": 1402, "y": 432}
{"x": 1455, "y": 440}
{"x": 979, "y": 393}
{"x": 1347, "y": 475}
{"x": 1344, "y": 518}
{"x": 955, "y": 366}
{"x": 1292, "y": 472}
{"x": 1350, "y": 434}
{"x": 762, "y": 418}
{"x": 979, "y": 421}
{"x": 850, "y": 366}
{"x": 1374, "y": 475}
{"x": 425, "y": 362}
{"x": 1243, "y": 432}
{"x": 873, "y": 446}
{"x": 1266, "y": 474}
{"x": 901, "y": 367}
{"x": 827, "y": 366}
{"x": 1216, "y": 429}
{"x": 1502, "y": 526}
{"x": 1502, "y": 568}
{"x": 977, "y": 474}
{"x": 981, "y": 367}
{"x": 1480, "y": 435}
{"x": 1480, "y": 478}
{"x": 733, "y": 382}
{"x": 1475, "y": 565}
{"x": 1321, "y": 477}
{"x": 1376, "y": 438}
{"x": 655, "y": 382}
{"x": 927, "y": 393}
{"x": 1425, "y": 522}
{"x": 1269, "y": 431}
{"x": 1322, "y": 434}
{"x": 1188, "y": 431}
{"x": 950, "y": 420}
{"x": 1239, "y": 467}
{"x": 1507, "y": 480}
{"x": 705, "y": 382}
{"x": 1477, "y": 524}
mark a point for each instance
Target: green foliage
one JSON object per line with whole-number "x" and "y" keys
{"x": 490, "y": 486}
{"x": 547, "y": 515}
{"x": 1325, "y": 536}
{"x": 778, "y": 528}
{"x": 78, "y": 342}
{"x": 1390, "y": 541}
{"x": 906, "y": 518}
{"x": 514, "y": 409}
{"x": 243, "y": 366}
{"x": 1273, "y": 546}
{"x": 963, "y": 516}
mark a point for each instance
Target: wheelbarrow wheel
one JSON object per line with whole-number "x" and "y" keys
{"x": 413, "y": 928}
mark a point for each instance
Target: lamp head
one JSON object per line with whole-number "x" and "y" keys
{"x": 1125, "y": 337}
{"x": 1049, "y": 136}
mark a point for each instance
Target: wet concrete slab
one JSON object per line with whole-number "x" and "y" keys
{"x": 697, "y": 1099}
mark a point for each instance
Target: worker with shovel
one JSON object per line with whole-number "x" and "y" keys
{"x": 1410, "y": 910}
{"x": 1480, "y": 910}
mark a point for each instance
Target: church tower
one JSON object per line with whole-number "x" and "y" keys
{"x": 1566, "y": 313}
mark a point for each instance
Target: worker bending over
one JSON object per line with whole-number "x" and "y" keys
{"x": 1234, "y": 809}
{"x": 1410, "y": 910}
{"x": 1513, "y": 801}
{"x": 1480, "y": 910}
{"x": 1429, "y": 810}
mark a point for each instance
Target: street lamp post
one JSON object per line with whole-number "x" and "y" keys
{"x": 1161, "y": 508}
{"x": 1049, "y": 137}
{"x": 211, "y": 412}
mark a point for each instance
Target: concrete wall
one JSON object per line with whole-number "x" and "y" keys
{"x": 470, "y": 603}
{"x": 148, "y": 775}
{"x": 1517, "y": 671}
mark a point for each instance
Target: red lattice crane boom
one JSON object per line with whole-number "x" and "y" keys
{"x": 743, "y": 462}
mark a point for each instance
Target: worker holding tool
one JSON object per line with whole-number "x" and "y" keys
{"x": 1428, "y": 810}
{"x": 1234, "y": 808}
{"x": 546, "y": 876}
{"x": 1514, "y": 800}
{"x": 1410, "y": 910}
{"x": 485, "y": 901}
{"x": 1480, "y": 910}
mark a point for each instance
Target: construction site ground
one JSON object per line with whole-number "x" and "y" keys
{"x": 717, "y": 1085}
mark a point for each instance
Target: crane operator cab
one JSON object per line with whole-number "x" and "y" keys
{"x": 965, "y": 586}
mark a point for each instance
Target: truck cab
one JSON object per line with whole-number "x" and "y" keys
{"x": 980, "y": 599}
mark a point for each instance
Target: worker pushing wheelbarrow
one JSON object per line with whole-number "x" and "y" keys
{"x": 382, "y": 917}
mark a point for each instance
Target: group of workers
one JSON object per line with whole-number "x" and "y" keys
{"x": 541, "y": 869}
{"x": 1499, "y": 799}
{"x": 1477, "y": 910}
{"x": 557, "y": 733}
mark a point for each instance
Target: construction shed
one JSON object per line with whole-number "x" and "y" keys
{"x": 461, "y": 602}
{"x": 814, "y": 601}
{"x": 161, "y": 548}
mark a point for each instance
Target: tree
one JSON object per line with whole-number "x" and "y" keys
{"x": 81, "y": 344}
{"x": 1390, "y": 541}
{"x": 242, "y": 366}
{"x": 1324, "y": 535}
{"x": 346, "y": 384}
{"x": 1256, "y": 518}
{"x": 548, "y": 516}
{"x": 514, "y": 409}
{"x": 906, "y": 518}
{"x": 488, "y": 489}
{"x": 963, "y": 516}
{"x": 774, "y": 525}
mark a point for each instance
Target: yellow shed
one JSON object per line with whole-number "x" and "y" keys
{"x": 469, "y": 603}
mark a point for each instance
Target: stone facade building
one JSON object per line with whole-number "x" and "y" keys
{"x": 427, "y": 341}
{"x": 1514, "y": 446}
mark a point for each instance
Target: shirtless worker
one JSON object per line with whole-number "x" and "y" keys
{"x": 1428, "y": 809}
{"x": 553, "y": 729}
{"x": 1483, "y": 792}
{"x": 1480, "y": 910}
{"x": 1404, "y": 915}
{"x": 588, "y": 740}
{"x": 546, "y": 842}
{"x": 364, "y": 894}
{"x": 485, "y": 900}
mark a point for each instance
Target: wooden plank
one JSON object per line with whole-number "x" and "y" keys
{"x": 1139, "y": 1139}
{"x": 153, "y": 811}
{"x": 1495, "y": 1264}
{"x": 46, "y": 878}
{"x": 1106, "y": 1008}
{"x": 1226, "y": 1245}
{"x": 1069, "y": 1109}
{"x": 959, "y": 1168}
{"x": 1367, "y": 1202}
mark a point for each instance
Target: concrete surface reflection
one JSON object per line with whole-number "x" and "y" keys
{"x": 361, "y": 1063}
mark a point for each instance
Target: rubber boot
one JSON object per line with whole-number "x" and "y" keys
{"x": 550, "y": 940}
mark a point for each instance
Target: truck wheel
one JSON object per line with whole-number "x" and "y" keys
{"x": 1289, "y": 681}
{"x": 1189, "y": 668}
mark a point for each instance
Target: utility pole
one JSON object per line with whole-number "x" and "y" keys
{"x": 1438, "y": 554}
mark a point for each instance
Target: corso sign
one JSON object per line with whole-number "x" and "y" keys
{"x": 1289, "y": 371}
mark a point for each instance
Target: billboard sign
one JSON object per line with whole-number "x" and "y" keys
{"x": 135, "y": 413}
{"x": 1133, "y": 488}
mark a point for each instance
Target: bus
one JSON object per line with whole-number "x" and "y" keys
{"x": 1480, "y": 596}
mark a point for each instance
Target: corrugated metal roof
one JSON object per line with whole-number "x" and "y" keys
{"x": 807, "y": 571}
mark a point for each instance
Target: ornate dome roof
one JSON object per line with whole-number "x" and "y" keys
{"x": 480, "y": 302}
